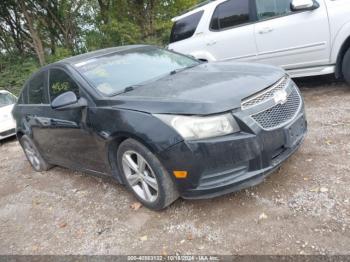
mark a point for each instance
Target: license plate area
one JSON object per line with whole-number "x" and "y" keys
{"x": 294, "y": 132}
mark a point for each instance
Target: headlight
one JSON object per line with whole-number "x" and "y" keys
{"x": 198, "y": 127}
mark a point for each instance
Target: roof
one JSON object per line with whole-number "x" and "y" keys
{"x": 193, "y": 10}
{"x": 83, "y": 57}
{"x": 4, "y": 92}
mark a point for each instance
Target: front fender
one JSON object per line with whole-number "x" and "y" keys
{"x": 149, "y": 130}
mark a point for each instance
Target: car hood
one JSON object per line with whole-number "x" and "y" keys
{"x": 205, "y": 89}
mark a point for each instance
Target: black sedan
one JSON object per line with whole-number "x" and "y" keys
{"x": 163, "y": 124}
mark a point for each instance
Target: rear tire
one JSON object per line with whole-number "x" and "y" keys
{"x": 33, "y": 155}
{"x": 145, "y": 176}
{"x": 346, "y": 66}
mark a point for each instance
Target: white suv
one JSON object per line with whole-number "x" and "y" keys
{"x": 305, "y": 37}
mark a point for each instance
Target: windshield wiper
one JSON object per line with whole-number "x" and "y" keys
{"x": 182, "y": 69}
{"x": 125, "y": 90}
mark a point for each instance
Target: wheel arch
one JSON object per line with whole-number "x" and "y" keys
{"x": 112, "y": 149}
{"x": 340, "y": 45}
{"x": 339, "y": 64}
{"x": 203, "y": 56}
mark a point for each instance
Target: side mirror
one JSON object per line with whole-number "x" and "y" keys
{"x": 304, "y": 5}
{"x": 68, "y": 100}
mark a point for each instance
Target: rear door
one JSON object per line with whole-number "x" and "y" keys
{"x": 291, "y": 39}
{"x": 231, "y": 32}
{"x": 186, "y": 35}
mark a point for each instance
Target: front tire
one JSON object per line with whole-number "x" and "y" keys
{"x": 346, "y": 66}
{"x": 33, "y": 155}
{"x": 145, "y": 176}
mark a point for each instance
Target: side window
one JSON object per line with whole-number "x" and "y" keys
{"x": 230, "y": 13}
{"x": 60, "y": 82}
{"x": 37, "y": 89}
{"x": 272, "y": 8}
{"x": 185, "y": 28}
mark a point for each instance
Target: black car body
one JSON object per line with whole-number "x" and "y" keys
{"x": 262, "y": 107}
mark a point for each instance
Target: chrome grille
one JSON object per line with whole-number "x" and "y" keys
{"x": 264, "y": 95}
{"x": 280, "y": 113}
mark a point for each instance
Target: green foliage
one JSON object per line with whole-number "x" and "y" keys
{"x": 57, "y": 29}
{"x": 60, "y": 53}
{"x": 14, "y": 71}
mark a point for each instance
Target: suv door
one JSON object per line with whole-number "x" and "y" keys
{"x": 291, "y": 39}
{"x": 231, "y": 32}
{"x": 67, "y": 138}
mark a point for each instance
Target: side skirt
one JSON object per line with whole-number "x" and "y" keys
{"x": 311, "y": 71}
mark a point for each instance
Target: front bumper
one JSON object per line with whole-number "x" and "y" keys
{"x": 227, "y": 164}
{"x": 7, "y": 128}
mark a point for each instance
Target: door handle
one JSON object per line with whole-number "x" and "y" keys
{"x": 265, "y": 30}
{"x": 211, "y": 43}
{"x": 30, "y": 117}
{"x": 44, "y": 121}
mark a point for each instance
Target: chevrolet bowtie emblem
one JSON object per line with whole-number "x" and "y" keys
{"x": 280, "y": 97}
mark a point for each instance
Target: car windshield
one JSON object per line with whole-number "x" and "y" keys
{"x": 111, "y": 74}
{"x": 7, "y": 99}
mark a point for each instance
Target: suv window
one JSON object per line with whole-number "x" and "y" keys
{"x": 37, "y": 89}
{"x": 61, "y": 82}
{"x": 230, "y": 13}
{"x": 185, "y": 27}
{"x": 272, "y": 8}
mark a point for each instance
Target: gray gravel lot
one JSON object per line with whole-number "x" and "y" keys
{"x": 303, "y": 208}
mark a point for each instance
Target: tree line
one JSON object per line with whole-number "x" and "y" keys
{"x": 36, "y": 32}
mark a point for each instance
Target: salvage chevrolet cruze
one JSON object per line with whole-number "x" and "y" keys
{"x": 163, "y": 124}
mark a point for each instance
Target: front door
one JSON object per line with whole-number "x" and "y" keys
{"x": 65, "y": 136}
{"x": 292, "y": 39}
{"x": 231, "y": 33}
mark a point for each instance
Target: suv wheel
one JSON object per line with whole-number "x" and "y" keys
{"x": 346, "y": 66}
{"x": 145, "y": 176}
{"x": 33, "y": 155}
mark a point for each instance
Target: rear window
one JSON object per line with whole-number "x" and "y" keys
{"x": 229, "y": 14}
{"x": 185, "y": 27}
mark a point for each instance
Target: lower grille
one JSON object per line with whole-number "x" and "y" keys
{"x": 222, "y": 178}
{"x": 281, "y": 113}
{"x": 7, "y": 133}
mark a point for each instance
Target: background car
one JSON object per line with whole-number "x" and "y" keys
{"x": 164, "y": 124}
{"x": 7, "y": 123}
{"x": 305, "y": 37}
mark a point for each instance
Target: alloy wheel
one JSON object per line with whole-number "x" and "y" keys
{"x": 140, "y": 176}
{"x": 32, "y": 155}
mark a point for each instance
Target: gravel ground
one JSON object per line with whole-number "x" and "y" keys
{"x": 303, "y": 208}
